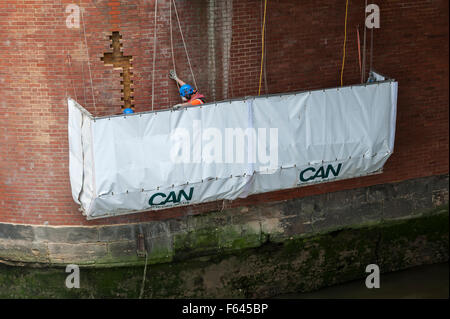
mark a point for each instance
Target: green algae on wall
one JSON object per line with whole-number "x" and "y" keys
{"x": 299, "y": 264}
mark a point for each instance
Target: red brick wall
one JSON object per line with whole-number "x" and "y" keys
{"x": 42, "y": 62}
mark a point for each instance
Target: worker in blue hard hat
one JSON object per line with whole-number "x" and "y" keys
{"x": 128, "y": 111}
{"x": 189, "y": 95}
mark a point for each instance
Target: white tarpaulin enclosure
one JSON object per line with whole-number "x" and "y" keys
{"x": 225, "y": 150}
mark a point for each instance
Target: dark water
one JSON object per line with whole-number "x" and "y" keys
{"x": 429, "y": 281}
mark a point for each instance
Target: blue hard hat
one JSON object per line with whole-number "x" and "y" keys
{"x": 186, "y": 90}
{"x": 128, "y": 111}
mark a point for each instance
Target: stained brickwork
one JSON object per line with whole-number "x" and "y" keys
{"x": 42, "y": 62}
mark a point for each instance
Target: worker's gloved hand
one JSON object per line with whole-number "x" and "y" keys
{"x": 177, "y": 106}
{"x": 172, "y": 75}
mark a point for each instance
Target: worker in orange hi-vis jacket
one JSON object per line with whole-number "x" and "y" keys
{"x": 189, "y": 95}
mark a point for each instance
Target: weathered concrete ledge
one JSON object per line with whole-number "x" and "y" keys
{"x": 299, "y": 264}
{"x": 218, "y": 233}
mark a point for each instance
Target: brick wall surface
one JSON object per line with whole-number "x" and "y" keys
{"x": 42, "y": 62}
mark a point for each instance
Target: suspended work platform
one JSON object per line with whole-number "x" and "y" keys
{"x": 225, "y": 150}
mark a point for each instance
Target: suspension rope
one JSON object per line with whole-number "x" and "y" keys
{"x": 82, "y": 64}
{"x": 69, "y": 58}
{"x": 184, "y": 44}
{"x": 154, "y": 54}
{"x": 345, "y": 41}
{"x": 363, "y": 74}
{"x": 89, "y": 63}
{"x": 171, "y": 40}
{"x": 84, "y": 82}
{"x": 359, "y": 48}
{"x": 371, "y": 50}
{"x": 230, "y": 71}
{"x": 145, "y": 273}
{"x": 262, "y": 47}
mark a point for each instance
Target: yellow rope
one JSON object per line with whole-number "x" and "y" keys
{"x": 262, "y": 52}
{"x": 345, "y": 40}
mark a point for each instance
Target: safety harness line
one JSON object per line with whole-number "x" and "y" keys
{"x": 89, "y": 63}
{"x": 184, "y": 44}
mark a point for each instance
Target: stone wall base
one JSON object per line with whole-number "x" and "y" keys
{"x": 227, "y": 231}
{"x": 299, "y": 264}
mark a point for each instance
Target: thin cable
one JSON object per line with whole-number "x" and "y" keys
{"x": 84, "y": 81}
{"x": 266, "y": 87}
{"x": 345, "y": 41}
{"x": 154, "y": 55}
{"x": 184, "y": 44}
{"x": 171, "y": 40}
{"x": 82, "y": 64}
{"x": 68, "y": 58}
{"x": 171, "y": 44}
{"x": 363, "y": 75}
{"x": 262, "y": 47}
{"x": 230, "y": 70}
{"x": 71, "y": 77}
{"x": 143, "y": 277}
{"x": 359, "y": 48}
{"x": 89, "y": 63}
{"x": 371, "y": 49}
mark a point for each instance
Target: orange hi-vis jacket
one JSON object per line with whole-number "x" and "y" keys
{"x": 197, "y": 99}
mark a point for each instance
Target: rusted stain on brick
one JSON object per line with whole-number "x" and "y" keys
{"x": 117, "y": 60}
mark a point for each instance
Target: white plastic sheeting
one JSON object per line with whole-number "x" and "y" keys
{"x": 156, "y": 160}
